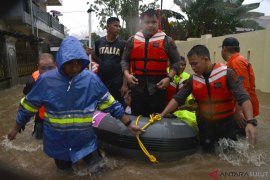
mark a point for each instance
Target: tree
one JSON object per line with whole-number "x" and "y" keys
{"x": 126, "y": 10}
{"x": 216, "y": 17}
{"x": 83, "y": 37}
{"x": 174, "y": 29}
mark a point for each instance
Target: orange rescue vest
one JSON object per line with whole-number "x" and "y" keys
{"x": 41, "y": 111}
{"x": 213, "y": 97}
{"x": 149, "y": 57}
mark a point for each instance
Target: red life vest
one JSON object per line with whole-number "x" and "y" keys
{"x": 219, "y": 102}
{"x": 41, "y": 111}
{"x": 149, "y": 57}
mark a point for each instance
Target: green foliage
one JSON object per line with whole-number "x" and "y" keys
{"x": 250, "y": 24}
{"x": 124, "y": 33}
{"x": 94, "y": 38}
{"x": 216, "y": 17}
{"x": 126, "y": 10}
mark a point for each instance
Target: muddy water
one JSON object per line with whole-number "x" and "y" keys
{"x": 23, "y": 158}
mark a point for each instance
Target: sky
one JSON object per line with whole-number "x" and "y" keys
{"x": 75, "y": 16}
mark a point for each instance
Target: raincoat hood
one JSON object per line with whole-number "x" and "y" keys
{"x": 70, "y": 49}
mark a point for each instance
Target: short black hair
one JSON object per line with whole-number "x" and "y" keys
{"x": 199, "y": 50}
{"x": 150, "y": 13}
{"x": 110, "y": 20}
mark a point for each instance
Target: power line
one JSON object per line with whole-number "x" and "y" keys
{"x": 74, "y": 12}
{"x": 172, "y": 7}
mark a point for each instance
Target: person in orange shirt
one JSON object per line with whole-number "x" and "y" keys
{"x": 231, "y": 54}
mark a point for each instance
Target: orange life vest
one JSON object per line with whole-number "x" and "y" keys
{"x": 218, "y": 102}
{"x": 41, "y": 111}
{"x": 149, "y": 57}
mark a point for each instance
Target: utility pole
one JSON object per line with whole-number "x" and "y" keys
{"x": 161, "y": 3}
{"x": 89, "y": 11}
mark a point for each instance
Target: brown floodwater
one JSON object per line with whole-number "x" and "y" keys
{"x": 24, "y": 158}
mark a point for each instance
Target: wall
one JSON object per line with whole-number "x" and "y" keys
{"x": 254, "y": 45}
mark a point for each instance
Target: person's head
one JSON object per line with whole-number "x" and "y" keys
{"x": 71, "y": 57}
{"x": 149, "y": 22}
{"x": 199, "y": 59}
{"x": 182, "y": 65}
{"x": 73, "y": 67}
{"x": 45, "y": 62}
{"x": 229, "y": 46}
{"x": 113, "y": 26}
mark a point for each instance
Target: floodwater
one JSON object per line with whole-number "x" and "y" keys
{"x": 23, "y": 158}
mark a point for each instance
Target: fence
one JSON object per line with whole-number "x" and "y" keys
{"x": 254, "y": 46}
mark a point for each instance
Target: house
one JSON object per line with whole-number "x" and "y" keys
{"x": 25, "y": 31}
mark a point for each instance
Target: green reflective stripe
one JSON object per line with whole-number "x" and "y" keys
{"x": 27, "y": 107}
{"x": 70, "y": 120}
{"x": 107, "y": 104}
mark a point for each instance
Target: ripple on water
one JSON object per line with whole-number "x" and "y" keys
{"x": 23, "y": 146}
{"x": 240, "y": 152}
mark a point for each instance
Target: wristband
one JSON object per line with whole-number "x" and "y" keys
{"x": 253, "y": 122}
{"x": 128, "y": 123}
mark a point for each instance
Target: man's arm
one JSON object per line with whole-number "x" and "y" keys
{"x": 173, "y": 54}
{"x": 30, "y": 105}
{"x": 179, "y": 98}
{"x": 174, "y": 59}
{"x": 108, "y": 104}
{"x": 125, "y": 61}
{"x": 243, "y": 100}
{"x": 239, "y": 93}
{"x": 95, "y": 55}
{"x": 28, "y": 86}
{"x": 94, "y": 52}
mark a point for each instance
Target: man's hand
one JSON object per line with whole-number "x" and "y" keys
{"x": 136, "y": 130}
{"x": 124, "y": 89}
{"x": 240, "y": 118}
{"x": 94, "y": 67}
{"x": 13, "y": 132}
{"x": 251, "y": 133}
{"x": 164, "y": 83}
{"x": 241, "y": 123}
{"x": 132, "y": 80}
{"x": 89, "y": 51}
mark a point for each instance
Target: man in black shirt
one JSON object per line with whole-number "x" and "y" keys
{"x": 108, "y": 52}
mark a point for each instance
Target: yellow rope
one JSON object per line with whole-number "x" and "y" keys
{"x": 152, "y": 119}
